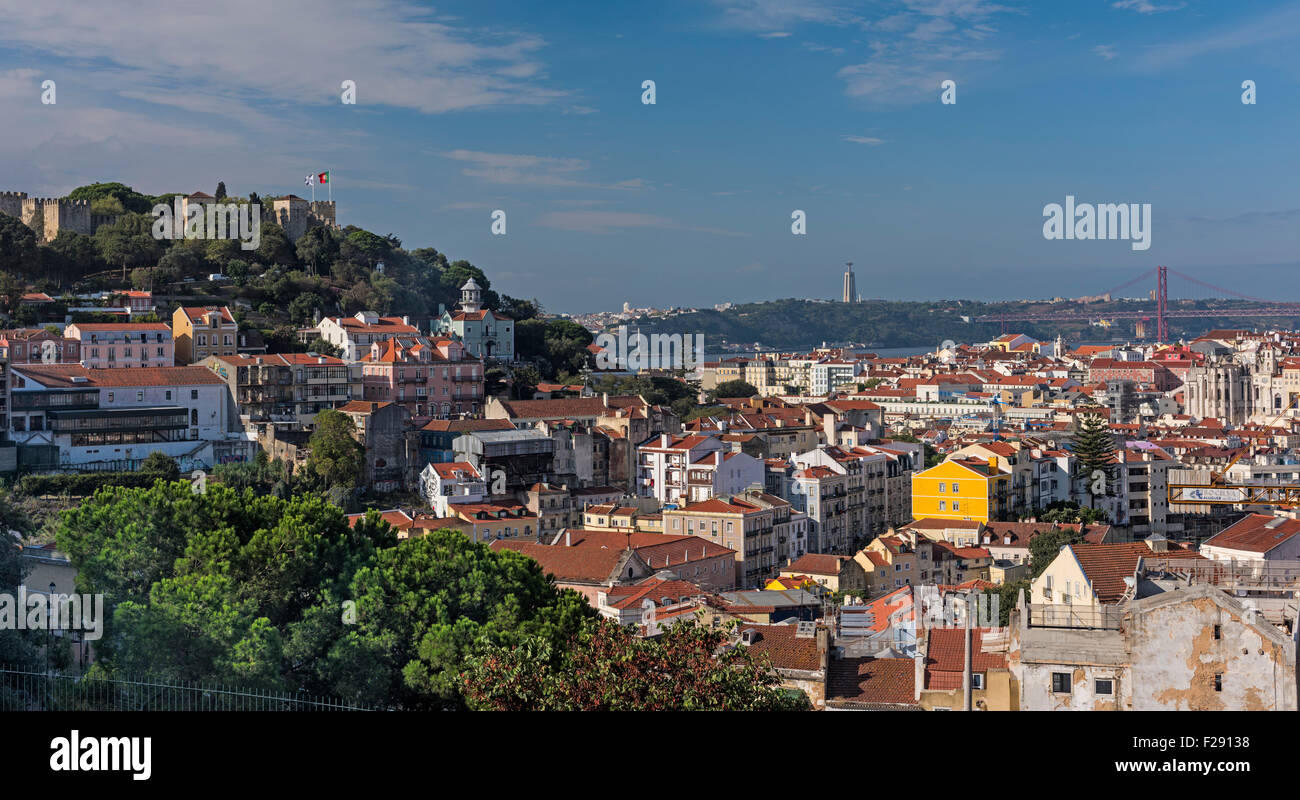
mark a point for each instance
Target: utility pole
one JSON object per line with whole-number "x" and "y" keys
{"x": 966, "y": 670}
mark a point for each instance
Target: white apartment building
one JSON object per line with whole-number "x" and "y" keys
{"x": 354, "y": 335}
{"x": 689, "y": 469}
{"x": 452, "y": 482}
{"x": 120, "y": 416}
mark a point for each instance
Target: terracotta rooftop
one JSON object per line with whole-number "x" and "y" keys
{"x": 786, "y": 650}
{"x": 1255, "y": 533}
{"x": 1107, "y": 565}
{"x": 570, "y": 564}
{"x": 875, "y": 682}
{"x": 817, "y": 564}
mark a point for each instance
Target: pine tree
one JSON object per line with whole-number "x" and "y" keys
{"x": 1094, "y": 447}
{"x": 221, "y": 190}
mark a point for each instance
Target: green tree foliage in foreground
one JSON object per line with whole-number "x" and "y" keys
{"x": 607, "y": 668}
{"x": 249, "y": 589}
{"x": 16, "y": 647}
{"x": 336, "y": 457}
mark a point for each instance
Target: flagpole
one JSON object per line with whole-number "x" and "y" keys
{"x": 330, "y": 184}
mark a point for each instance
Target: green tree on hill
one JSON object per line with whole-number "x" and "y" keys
{"x": 18, "y": 253}
{"x": 127, "y": 199}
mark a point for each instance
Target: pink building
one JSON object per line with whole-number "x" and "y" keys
{"x": 38, "y": 346}
{"x": 123, "y": 344}
{"x": 431, "y": 378}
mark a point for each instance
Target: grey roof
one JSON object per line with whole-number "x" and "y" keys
{"x": 777, "y": 599}
{"x": 524, "y": 435}
{"x": 1067, "y": 646}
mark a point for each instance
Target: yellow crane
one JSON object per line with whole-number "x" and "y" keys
{"x": 1220, "y": 492}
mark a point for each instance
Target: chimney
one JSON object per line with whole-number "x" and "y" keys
{"x": 717, "y": 457}
{"x": 993, "y": 465}
{"x": 568, "y": 541}
{"x": 828, "y": 427}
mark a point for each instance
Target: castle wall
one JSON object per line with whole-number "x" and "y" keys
{"x": 11, "y": 203}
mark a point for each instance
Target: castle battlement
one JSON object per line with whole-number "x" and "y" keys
{"x": 51, "y": 214}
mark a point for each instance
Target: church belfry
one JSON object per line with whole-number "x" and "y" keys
{"x": 471, "y": 296}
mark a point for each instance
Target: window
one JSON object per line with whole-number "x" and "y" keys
{"x": 956, "y": 505}
{"x": 169, "y": 394}
{"x": 203, "y": 340}
{"x": 110, "y": 397}
{"x": 139, "y": 397}
{"x": 194, "y": 416}
{"x": 941, "y": 485}
{"x": 977, "y": 680}
{"x": 954, "y": 487}
{"x": 194, "y": 394}
{"x": 1104, "y": 686}
{"x": 1218, "y": 631}
{"x": 1060, "y": 683}
{"x": 943, "y": 505}
{"x": 1218, "y": 681}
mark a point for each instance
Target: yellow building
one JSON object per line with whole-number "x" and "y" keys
{"x": 967, "y": 489}
{"x": 202, "y": 332}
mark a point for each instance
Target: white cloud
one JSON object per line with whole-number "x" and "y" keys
{"x": 296, "y": 51}
{"x": 1146, "y": 6}
{"x": 774, "y": 35}
{"x": 1106, "y": 51}
{"x": 609, "y": 221}
{"x": 870, "y": 140}
{"x": 528, "y": 170}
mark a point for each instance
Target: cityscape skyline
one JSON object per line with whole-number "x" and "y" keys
{"x": 536, "y": 112}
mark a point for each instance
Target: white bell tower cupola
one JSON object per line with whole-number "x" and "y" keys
{"x": 471, "y": 296}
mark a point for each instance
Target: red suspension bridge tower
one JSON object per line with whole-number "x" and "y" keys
{"x": 1162, "y": 304}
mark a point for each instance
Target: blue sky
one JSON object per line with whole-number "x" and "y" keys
{"x": 763, "y": 107}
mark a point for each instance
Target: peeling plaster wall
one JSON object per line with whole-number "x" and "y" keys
{"x": 1175, "y": 658}
{"x": 1037, "y": 694}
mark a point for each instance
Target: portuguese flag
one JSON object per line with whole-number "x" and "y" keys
{"x": 323, "y": 177}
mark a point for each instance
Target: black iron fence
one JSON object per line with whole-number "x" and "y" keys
{"x": 25, "y": 690}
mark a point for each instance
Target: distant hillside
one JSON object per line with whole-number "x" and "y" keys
{"x": 796, "y": 323}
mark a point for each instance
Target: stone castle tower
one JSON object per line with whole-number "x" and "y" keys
{"x": 296, "y": 215}
{"x": 53, "y": 213}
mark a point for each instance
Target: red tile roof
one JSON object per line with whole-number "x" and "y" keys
{"x": 817, "y": 564}
{"x": 786, "y": 650}
{"x": 61, "y": 375}
{"x": 1250, "y": 533}
{"x": 653, "y": 589}
{"x": 570, "y": 564}
{"x": 659, "y": 550}
{"x": 1107, "y": 565}
{"x": 945, "y": 659}
{"x": 887, "y": 681}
